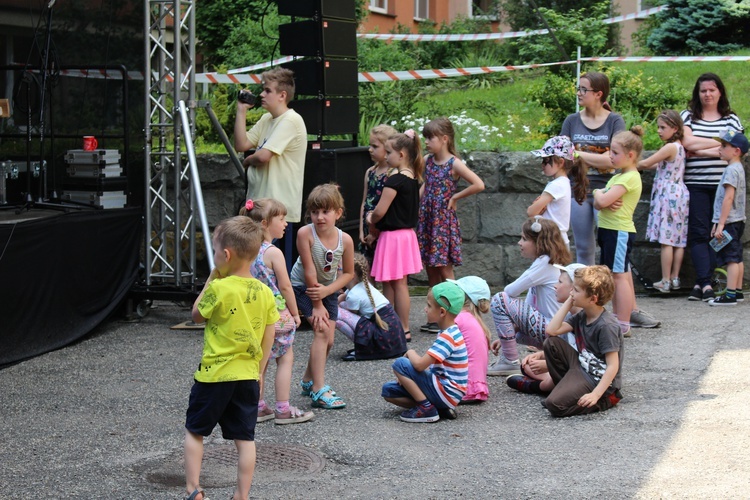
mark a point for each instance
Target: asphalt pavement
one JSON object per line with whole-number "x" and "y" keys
{"x": 103, "y": 418}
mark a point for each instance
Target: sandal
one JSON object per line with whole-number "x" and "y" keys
{"x": 407, "y": 335}
{"x": 293, "y": 416}
{"x": 307, "y": 388}
{"x": 319, "y": 400}
{"x": 195, "y": 493}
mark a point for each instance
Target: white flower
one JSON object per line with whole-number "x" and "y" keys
{"x": 471, "y": 158}
{"x": 526, "y": 129}
{"x": 393, "y": 123}
{"x": 463, "y": 139}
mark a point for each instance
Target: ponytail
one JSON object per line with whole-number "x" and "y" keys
{"x": 363, "y": 270}
{"x": 580, "y": 180}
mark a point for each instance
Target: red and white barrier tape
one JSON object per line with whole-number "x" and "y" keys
{"x": 668, "y": 59}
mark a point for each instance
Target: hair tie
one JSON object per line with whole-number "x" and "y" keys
{"x": 409, "y": 133}
{"x": 536, "y": 226}
{"x": 249, "y": 205}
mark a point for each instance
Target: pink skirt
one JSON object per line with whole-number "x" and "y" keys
{"x": 396, "y": 255}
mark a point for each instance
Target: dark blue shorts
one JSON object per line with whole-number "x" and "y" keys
{"x": 232, "y": 405}
{"x": 733, "y": 251}
{"x": 304, "y": 304}
{"x": 424, "y": 380}
{"x": 615, "y": 249}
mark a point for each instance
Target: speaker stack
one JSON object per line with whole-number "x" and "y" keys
{"x": 328, "y": 77}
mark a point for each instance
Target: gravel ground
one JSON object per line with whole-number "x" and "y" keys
{"x": 104, "y": 418}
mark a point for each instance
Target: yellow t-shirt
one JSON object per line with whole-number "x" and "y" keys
{"x": 282, "y": 178}
{"x": 622, "y": 219}
{"x": 237, "y": 312}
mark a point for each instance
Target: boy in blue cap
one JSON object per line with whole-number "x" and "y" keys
{"x": 729, "y": 214}
{"x": 432, "y": 385}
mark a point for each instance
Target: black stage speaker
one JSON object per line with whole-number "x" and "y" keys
{"x": 318, "y": 38}
{"x": 329, "y": 116}
{"x": 337, "y": 9}
{"x": 325, "y": 77}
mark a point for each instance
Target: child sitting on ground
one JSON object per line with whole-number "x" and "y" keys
{"x": 240, "y": 313}
{"x": 430, "y": 386}
{"x": 586, "y": 380}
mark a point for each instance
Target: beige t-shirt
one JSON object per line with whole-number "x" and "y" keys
{"x": 283, "y": 176}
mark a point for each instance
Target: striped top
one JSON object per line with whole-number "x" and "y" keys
{"x": 450, "y": 372}
{"x": 707, "y": 170}
{"x": 326, "y": 271}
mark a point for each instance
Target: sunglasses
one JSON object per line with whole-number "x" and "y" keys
{"x": 329, "y": 261}
{"x": 546, "y": 161}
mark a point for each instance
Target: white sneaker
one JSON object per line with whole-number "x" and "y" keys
{"x": 503, "y": 367}
{"x": 663, "y": 286}
{"x": 675, "y": 284}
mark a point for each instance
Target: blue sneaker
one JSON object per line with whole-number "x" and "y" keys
{"x": 420, "y": 414}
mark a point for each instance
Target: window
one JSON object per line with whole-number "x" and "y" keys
{"x": 484, "y": 8}
{"x": 379, "y": 6}
{"x": 421, "y": 9}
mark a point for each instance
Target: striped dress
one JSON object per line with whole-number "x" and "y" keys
{"x": 450, "y": 372}
{"x": 707, "y": 170}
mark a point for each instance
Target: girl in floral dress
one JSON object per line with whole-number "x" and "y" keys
{"x": 667, "y": 219}
{"x": 438, "y": 230}
{"x": 374, "y": 181}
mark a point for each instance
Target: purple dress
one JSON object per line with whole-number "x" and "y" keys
{"x": 438, "y": 231}
{"x": 667, "y": 218}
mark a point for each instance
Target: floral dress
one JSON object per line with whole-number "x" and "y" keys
{"x": 668, "y": 216}
{"x": 375, "y": 183}
{"x": 438, "y": 231}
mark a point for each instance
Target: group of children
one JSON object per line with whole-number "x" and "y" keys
{"x": 252, "y": 307}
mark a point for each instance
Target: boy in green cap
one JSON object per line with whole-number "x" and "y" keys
{"x": 432, "y": 385}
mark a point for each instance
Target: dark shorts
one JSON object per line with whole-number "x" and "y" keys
{"x": 615, "y": 249}
{"x": 733, "y": 251}
{"x": 424, "y": 380}
{"x": 232, "y": 405}
{"x": 304, "y": 304}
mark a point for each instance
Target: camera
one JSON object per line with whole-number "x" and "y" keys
{"x": 247, "y": 97}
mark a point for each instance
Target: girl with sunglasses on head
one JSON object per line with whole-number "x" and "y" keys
{"x": 316, "y": 281}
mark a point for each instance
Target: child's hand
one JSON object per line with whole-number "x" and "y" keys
{"x": 318, "y": 292}
{"x": 297, "y": 320}
{"x": 535, "y": 363}
{"x": 320, "y": 318}
{"x": 615, "y": 206}
{"x": 718, "y": 231}
{"x": 588, "y": 400}
{"x": 452, "y": 203}
{"x": 495, "y": 346}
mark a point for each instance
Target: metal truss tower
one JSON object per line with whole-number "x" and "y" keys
{"x": 170, "y": 222}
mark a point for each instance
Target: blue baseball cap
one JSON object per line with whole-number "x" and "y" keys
{"x": 474, "y": 287}
{"x": 736, "y": 139}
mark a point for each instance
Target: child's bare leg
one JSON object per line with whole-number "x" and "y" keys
{"x": 434, "y": 275}
{"x": 740, "y": 276}
{"x": 667, "y": 256}
{"x": 733, "y": 272}
{"x": 401, "y": 301}
{"x": 546, "y": 383}
{"x": 402, "y": 402}
{"x": 678, "y": 255}
{"x": 321, "y": 346}
{"x": 193, "y": 459}
{"x": 245, "y": 468}
{"x": 262, "y": 383}
{"x": 284, "y": 375}
{"x": 388, "y": 292}
{"x": 446, "y": 273}
{"x": 623, "y": 301}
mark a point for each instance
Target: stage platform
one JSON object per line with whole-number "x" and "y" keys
{"x": 62, "y": 273}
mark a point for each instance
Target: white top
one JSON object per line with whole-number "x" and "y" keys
{"x": 558, "y": 210}
{"x": 357, "y": 300}
{"x": 539, "y": 280}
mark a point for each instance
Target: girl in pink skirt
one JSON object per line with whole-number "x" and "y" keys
{"x": 395, "y": 216}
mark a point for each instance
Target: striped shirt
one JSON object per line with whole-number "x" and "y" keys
{"x": 450, "y": 372}
{"x": 707, "y": 170}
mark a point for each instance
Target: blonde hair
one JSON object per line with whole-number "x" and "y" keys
{"x": 476, "y": 310}
{"x": 240, "y": 234}
{"x": 630, "y": 140}
{"x": 413, "y": 148}
{"x": 382, "y": 132}
{"x": 362, "y": 271}
{"x": 284, "y": 79}
{"x": 596, "y": 280}
{"x": 264, "y": 209}
{"x": 324, "y": 197}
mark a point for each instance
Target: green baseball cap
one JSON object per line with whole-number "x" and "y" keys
{"x": 449, "y": 296}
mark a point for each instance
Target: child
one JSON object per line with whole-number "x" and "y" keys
{"x": 438, "y": 230}
{"x": 270, "y": 268}
{"x": 316, "y": 280}
{"x": 534, "y": 377}
{"x": 432, "y": 385}
{"x": 476, "y": 335}
{"x": 616, "y": 228}
{"x": 368, "y": 319}
{"x": 667, "y": 219}
{"x": 558, "y": 155}
{"x": 374, "y": 182}
{"x": 524, "y": 321}
{"x": 729, "y": 214}
{"x": 240, "y": 313}
{"x": 395, "y": 216}
{"x": 586, "y": 380}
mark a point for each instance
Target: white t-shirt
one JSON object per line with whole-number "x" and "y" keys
{"x": 358, "y": 302}
{"x": 540, "y": 280}
{"x": 558, "y": 210}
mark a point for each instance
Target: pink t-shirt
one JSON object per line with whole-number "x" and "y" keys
{"x": 478, "y": 353}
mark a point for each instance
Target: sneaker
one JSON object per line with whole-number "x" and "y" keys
{"x": 522, "y": 383}
{"x": 675, "y": 284}
{"x": 642, "y": 319}
{"x": 708, "y": 295}
{"x": 663, "y": 286}
{"x": 503, "y": 367}
{"x": 265, "y": 414}
{"x": 723, "y": 301}
{"x": 447, "y": 413}
{"x": 740, "y": 297}
{"x": 419, "y": 414}
{"x": 695, "y": 294}
{"x": 430, "y": 328}
{"x": 292, "y": 416}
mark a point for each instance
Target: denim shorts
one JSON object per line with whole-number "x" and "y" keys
{"x": 232, "y": 405}
{"x": 305, "y": 306}
{"x": 425, "y": 381}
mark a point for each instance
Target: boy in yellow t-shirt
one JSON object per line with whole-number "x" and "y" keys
{"x": 240, "y": 313}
